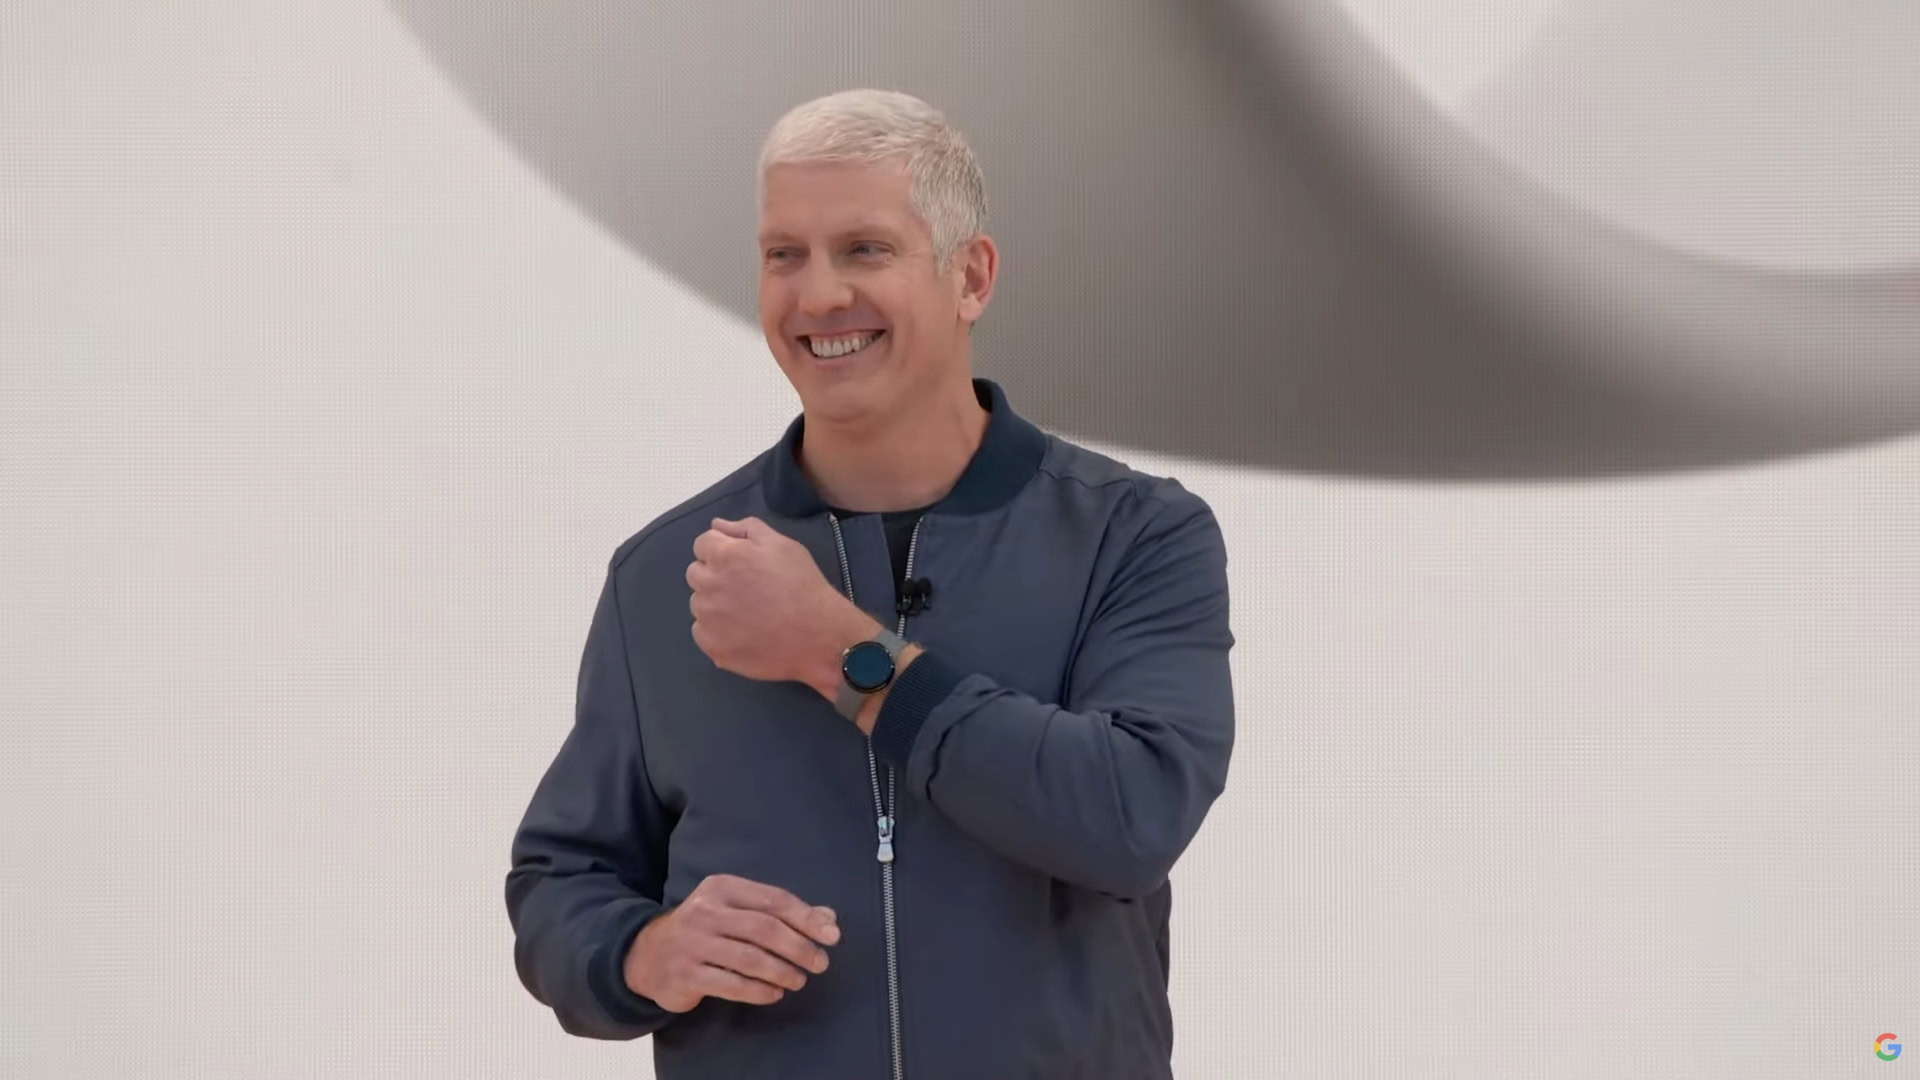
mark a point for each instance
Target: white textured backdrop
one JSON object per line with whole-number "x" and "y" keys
{"x": 320, "y": 414}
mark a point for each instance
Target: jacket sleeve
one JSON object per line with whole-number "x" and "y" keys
{"x": 1107, "y": 789}
{"x": 589, "y": 858}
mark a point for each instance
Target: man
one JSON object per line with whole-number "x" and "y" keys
{"x": 888, "y": 779}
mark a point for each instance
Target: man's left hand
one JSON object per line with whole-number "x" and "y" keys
{"x": 762, "y": 609}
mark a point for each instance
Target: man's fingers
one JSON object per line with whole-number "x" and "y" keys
{"x": 746, "y": 528}
{"x": 776, "y": 937}
{"x": 752, "y": 942}
{"x": 818, "y": 923}
{"x": 708, "y": 544}
{"x": 749, "y": 959}
{"x": 718, "y": 982}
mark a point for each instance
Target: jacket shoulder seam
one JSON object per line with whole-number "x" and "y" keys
{"x": 639, "y": 539}
{"x": 1141, "y": 484}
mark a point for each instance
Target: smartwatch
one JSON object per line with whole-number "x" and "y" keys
{"x": 866, "y": 668}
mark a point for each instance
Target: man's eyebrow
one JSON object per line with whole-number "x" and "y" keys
{"x": 875, "y": 229}
{"x": 872, "y": 228}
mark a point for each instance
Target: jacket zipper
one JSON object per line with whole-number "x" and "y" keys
{"x": 883, "y": 814}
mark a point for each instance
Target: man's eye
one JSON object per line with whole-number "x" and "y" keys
{"x": 864, "y": 248}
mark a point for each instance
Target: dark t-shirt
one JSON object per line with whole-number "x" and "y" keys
{"x": 899, "y": 525}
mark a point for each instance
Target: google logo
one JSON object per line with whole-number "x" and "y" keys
{"x": 1885, "y": 1048}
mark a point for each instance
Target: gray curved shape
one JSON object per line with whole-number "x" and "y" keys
{"x": 1772, "y": 134}
{"x": 1765, "y": 134}
{"x": 1197, "y": 258}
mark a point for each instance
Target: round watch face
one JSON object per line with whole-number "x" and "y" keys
{"x": 867, "y": 666}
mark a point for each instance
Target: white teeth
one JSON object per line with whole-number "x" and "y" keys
{"x": 827, "y": 348}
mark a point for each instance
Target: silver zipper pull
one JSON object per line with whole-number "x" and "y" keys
{"x": 886, "y": 840}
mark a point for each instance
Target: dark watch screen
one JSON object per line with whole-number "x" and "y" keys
{"x": 867, "y": 666}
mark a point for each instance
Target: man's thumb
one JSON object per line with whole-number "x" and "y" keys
{"x": 739, "y": 529}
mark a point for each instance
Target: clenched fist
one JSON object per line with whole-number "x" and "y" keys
{"x": 762, "y": 609}
{"x": 733, "y": 939}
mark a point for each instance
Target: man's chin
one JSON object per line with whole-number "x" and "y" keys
{"x": 843, "y": 396}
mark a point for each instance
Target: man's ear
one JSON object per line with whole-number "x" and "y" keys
{"x": 979, "y": 266}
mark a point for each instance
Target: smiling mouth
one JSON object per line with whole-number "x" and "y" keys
{"x": 830, "y": 347}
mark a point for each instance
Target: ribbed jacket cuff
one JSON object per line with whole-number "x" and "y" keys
{"x": 925, "y": 683}
{"x": 606, "y": 971}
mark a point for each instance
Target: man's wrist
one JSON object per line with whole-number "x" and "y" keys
{"x": 847, "y": 627}
{"x": 637, "y": 964}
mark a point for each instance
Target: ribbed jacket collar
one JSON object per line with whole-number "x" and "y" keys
{"x": 1008, "y": 457}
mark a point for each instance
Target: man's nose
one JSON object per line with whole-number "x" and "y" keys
{"x": 823, "y": 290}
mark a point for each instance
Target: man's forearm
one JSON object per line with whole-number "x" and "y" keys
{"x": 1039, "y": 782}
{"x": 1105, "y": 788}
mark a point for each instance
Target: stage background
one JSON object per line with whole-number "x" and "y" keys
{"x": 1551, "y": 368}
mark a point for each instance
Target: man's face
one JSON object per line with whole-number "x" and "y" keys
{"x": 850, "y": 302}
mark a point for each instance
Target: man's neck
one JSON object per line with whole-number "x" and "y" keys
{"x": 900, "y": 463}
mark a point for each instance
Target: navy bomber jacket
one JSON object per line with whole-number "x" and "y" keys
{"x": 1045, "y": 762}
